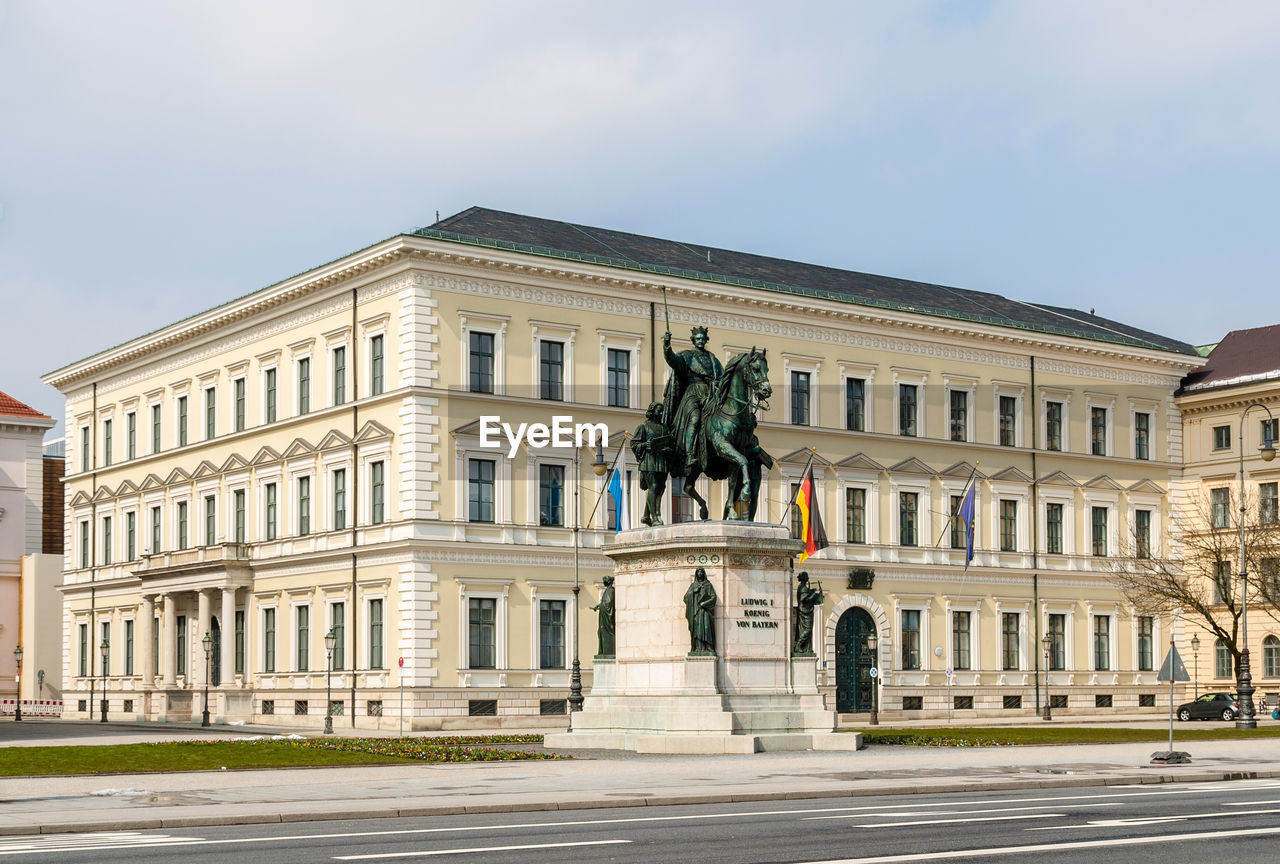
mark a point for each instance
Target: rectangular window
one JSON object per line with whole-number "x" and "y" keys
{"x": 375, "y": 634}
{"x": 304, "y": 385}
{"x": 551, "y": 634}
{"x": 1142, "y": 435}
{"x": 84, "y": 449}
{"x": 481, "y": 365}
{"x": 1008, "y": 526}
{"x": 480, "y": 490}
{"x": 1102, "y": 642}
{"x": 130, "y": 536}
{"x": 268, "y": 640}
{"x": 269, "y": 383}
{"x": 106, "y": 539}
{"x": 797, "y": 520}
{"x": 681, "y": 504}
{"x": 337, "y": 621}
{"x": 1142, "y": 533}
{"x": 182, "y": 421}
{"x": 619, "y": 378}
{"x": 800, "y": 398}
{"x": 128, "y": 647}
{"x": 238, "y": 388}
{"x": 1221, "y": 437}
{"x": 182, "y": 525}
{"x": 855, "y": 404}
{"x": 1057, "y": 642}
{"x": 908, "y": 505}
{"x": 302, "y": 640}
{"x": 855, "y": 506}
{"x": 961, "y": 639}
{"x": 131, "y": 435}
{"x": 959, "y": 537}
{"x": 155, "y": 428}
{"x": 180, "y": 649}
{"x": 959, "y": 415}
{"x": 271, "y": 526}
{"x": 1099, "y": 531}
{"x": 1008, "y": 420}
{"x": 104, "y": 628}
{"x": 155, "y": 646}
{"x": 1221, "y": 660}
{"x": 376, "y": 380}
{"x": 1146, "y": 643}
{"x": 239, "y": 637}
{"x": 1220, "y": 506}
{"x": 481, "y": 632}
{"x": 304, "y": 506}
{"x": 1053, "y": 425}
{"x": 1053, "y": 528}
{"x": 239, "y": 499}
{"x": 550, "y": 369}
{"x": 1267, "y": 500}
{"x": 378, "y": 487}
{"x": 1098, "y": 431}
{"x": 907, "y": 409}
{"x": 1270, "y": 431}
{"x": 551, "y": 495}
{"x": 210, "y": 520}
{"x": 106, "y": 442}
{"x": 339, "y": 499}
{"x": 156, "y": 545}
{"x": 210, "y": 413}
{"x": 1221, "y": 582}
{"x": 910, "y": 638}
{"x": 84, "y": 650}
{"x": 1009, "y": 640}
{"x": 339, "y": 375}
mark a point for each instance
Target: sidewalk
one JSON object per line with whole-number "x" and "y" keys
{"x": 591, "y": 779}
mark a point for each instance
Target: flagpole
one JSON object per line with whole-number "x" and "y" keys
{"x": 792, "y": 500}
{"x": 956, "y": 512}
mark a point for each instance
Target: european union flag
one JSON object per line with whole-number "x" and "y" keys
{"x": 966, "y": 517}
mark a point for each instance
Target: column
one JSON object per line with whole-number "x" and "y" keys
{"x": 145, "y": 661}
{"x": 168, "y": 644}
{"x": 198, "y": 662}
{"x": 228, "y": 637}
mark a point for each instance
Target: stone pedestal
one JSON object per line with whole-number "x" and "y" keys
{"x": 752, "y": 696}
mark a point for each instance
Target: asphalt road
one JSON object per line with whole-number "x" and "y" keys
{"x": 1168, "y": 824}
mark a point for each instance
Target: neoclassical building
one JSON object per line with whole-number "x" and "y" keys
{"x": 315, "y": 458}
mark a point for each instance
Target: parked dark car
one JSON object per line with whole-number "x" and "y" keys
{"x": 1210, "y": 706}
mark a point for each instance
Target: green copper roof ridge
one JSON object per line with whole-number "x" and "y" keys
{"x": 780, "y": 287}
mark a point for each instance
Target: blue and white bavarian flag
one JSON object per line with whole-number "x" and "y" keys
{"x": 623, "y": 522}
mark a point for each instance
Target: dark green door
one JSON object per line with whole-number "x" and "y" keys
{"x": 215, "y": 669}
{"x": 853, "y": 662}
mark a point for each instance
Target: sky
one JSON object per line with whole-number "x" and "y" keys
{"x": 160, "y": 158}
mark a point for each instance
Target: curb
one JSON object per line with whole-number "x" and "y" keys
{"x": 661, "y": 800}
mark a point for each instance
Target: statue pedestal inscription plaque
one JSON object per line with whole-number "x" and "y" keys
{"x": 663, "y": 692}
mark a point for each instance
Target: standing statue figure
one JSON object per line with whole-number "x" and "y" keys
{"x": 652, "y": 445}
{"x": 606, "y": 624}
{"x": 808, "y": 598}
{"x": 699, "y": 606}
{"x": 694, "y": 376}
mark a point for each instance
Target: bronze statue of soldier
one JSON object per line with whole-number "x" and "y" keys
{"x": 808, "y": 598}
{"x": 606, "y": 622}
{"x": 699, "y": 609}
{"x": 651, "y": 444}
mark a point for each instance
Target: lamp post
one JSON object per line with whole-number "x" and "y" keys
{"x": 105, "y": 649}
{"x": 17, "y": 679}
{"x": 330, "y": 640}
{"x": 875, "y": 679}
{"x": 1195, "y": 663}
{"x": 1047, "y": 642}
{"x": 1244, "y": 680}
{"x": 207, "y": 642}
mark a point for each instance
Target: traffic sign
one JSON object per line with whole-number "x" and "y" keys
{"x": 950, "y": 672}
{"x": 874, "y": 672}
{"x": 1172, "y": 669}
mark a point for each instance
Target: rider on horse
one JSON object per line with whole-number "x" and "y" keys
{"x": 695, "y": 374}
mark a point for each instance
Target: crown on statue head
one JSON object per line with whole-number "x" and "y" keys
{"x": 699, "y": 331}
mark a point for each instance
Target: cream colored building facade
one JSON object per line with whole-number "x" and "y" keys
{"x": 309, "y": 457}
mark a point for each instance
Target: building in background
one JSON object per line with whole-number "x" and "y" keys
{"x": 311, "y": 459}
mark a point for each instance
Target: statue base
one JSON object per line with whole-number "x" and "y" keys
{"x": 751, "y": 697}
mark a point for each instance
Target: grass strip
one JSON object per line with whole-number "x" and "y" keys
{"x": 1014, "y": 736}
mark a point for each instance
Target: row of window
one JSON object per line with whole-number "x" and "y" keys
{"x": 482, "y": 363}
{"x": 209, "y": 407}
{"x": 184, "y": 534}
{"x": 1220, "y": 505}
{"x": 1269, "y": 433}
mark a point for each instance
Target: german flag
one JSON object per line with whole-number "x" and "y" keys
{"x": 811, "y": 530}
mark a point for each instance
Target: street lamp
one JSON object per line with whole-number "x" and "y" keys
{"x": 1195, "y": 662}
{"x": 105, "y": 648}
{"x": 1047, "y": 642}
{"x": 207, "y": 642}
{"x": 599, "y": 467}
{"x": 1244, "y": 680}
{"x": 17, "y": 702}
{"x": 330, "y": 640}
{"x": 875, "y": 679}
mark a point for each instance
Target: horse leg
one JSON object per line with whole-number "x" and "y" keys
{"x": 738, "y": 479}
{"x": 692, "y": 492}
{"x": 731, "y": 497}
{"x": 753, "y": 489}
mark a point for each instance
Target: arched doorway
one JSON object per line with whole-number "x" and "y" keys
{"x": 853, "y": 662}
{"x": 215, "y": 631}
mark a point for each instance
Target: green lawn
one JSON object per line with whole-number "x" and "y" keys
{"x": 263, "y": 753}
{"x": 1000, "y": 736}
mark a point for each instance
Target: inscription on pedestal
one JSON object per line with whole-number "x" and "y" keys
{"x": 757, "y": 612}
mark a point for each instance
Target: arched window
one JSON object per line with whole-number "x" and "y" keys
{"x": 1271, "y": 657}
{"x": 1221, "y": 660}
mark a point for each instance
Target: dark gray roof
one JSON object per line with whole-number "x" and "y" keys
{"x": 554, "y": 239}
{"x": 1242, "y": 357}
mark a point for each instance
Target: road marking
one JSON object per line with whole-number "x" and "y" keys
{"x": 90, "y": 842}
{"x": 1052, "y": 847}
{"x": 478, "y": 849}
{"x": 961, "y": 812}
{"x": 956, "y": 821}
{"x": 1160, "y": 820}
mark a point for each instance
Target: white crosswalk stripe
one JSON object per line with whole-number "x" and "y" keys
{"x": 89, "y": 842}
